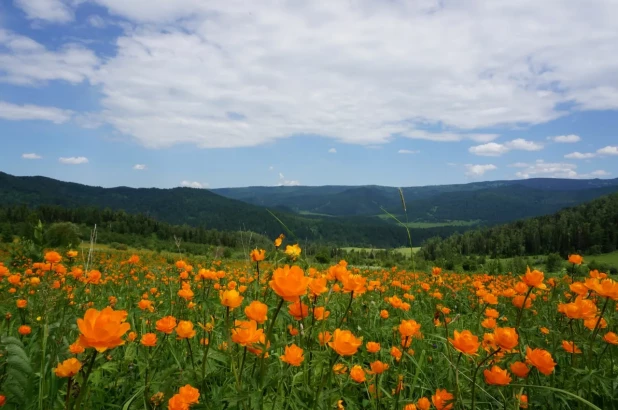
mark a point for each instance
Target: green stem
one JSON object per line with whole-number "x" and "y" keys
{"x": 523, "y": 306}
{"x": 346, "y": 309}
{"x": 84, "y": 385}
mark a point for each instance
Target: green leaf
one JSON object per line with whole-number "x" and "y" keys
{"x": 567, "y": 393}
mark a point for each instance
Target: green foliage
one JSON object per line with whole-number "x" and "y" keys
{"x": 573, "y": 230}
{"x": 554, "y": 262}
{"x": 16, "y": 381}
{"x": 62, "y": 234}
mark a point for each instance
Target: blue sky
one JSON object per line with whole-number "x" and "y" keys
{"x": 229, "y": 93}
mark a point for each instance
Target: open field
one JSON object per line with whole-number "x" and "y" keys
{"x": 402, "y": 251}
{"x": 145, "y": 332}
{"x": 424, "y": 225}
{"x": 610, "y": 258}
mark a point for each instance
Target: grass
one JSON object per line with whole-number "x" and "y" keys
{"x": 427, "y": 224}
{"x": 403, "y": 251}
{"x": 610, "y": 258}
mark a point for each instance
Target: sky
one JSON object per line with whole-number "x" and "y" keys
{"x": 227, "y": 93}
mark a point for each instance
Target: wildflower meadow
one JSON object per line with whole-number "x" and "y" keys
{"x": 112, "y": 330}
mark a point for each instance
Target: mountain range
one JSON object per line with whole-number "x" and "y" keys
{"x": 341, "y": 215}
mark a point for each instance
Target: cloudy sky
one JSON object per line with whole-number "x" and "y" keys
{"x": 214, "y": 93}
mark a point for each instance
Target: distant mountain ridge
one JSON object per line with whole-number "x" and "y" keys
{"x": 340, "y": 215}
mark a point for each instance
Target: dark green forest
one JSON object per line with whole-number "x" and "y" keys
{"x": 590, "y": 228}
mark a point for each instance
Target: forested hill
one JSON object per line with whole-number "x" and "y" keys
{"x": 588, "y": 228}
{"x": 202, "y": 208}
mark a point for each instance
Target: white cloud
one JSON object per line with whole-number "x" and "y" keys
{"x": 479, "y": 170}
{"x": 571, "y": 138}
{"x": 407, "y": 151}
{"x": 139, "y": 167}
{"x": 50, "y": 10}
{"x": 287, "y": 182}
{"x": 609, "y": 150}
{"x": 31, "y": 155}
{"x": 271, "y": 168}
{"x": 96, "y": 21}
{"x": 332, "y": 69}
{"x": 519, "y": 165}
{"x": 194, "y": 184}
{"x": 73, "y": 160}
{"x": 27, "y": 62}
{"x": 600, "y": 173}
{"x": 16, "y": 112}
{"x": 579, "y": 155}
{"x": 493, "y": 149}
{"x": 524, "y": 145}
{"x": 542, "y": 169}
{"x": 332, "y": 151}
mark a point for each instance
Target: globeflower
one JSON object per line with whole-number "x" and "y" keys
{"x": 497, "y": 376}
{"x": 53, "y": 257}
{"x": 166, "y": 324}
{"x": 520, "y": 369}
{"x": 293, "y": 355}
{"x": 465, "y": 342}
{"x": 576, "y": 259}
{"x": 442, "y": 400}
{"x": 149, "y": 339}
{"x": 289, "y": 283}
{"x": 506, "y": 337}
{"x": 68, "y": 368}
{"x": 541, "y": 359}
{"x": 257, "y": 311}
{"x": 258, "y": 255}
{"x": 534, "y": 278}
{"x": 357, "y": 374}
{"x": 103, "y": 329}
{"x": 246, "y": 332}
{"x": 345, "y": 343}
{"x": 230, "y": 298}
{"x": 409, "y": 328}
{"x": 185, "y": 330}
{"x": 293, "y": 251}
{"x": 570, "y": 347}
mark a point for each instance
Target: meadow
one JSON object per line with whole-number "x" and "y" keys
{"x": 111, "y": 330}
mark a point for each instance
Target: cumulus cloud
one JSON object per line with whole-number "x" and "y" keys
{"x": 332, "y": 151}
{"x": 139, "y": 167}
{"x": 16, "y": 112}
{"x": 567, "y": 139}
{"x": 31, "y": 155}
{"x": 325, "y": 68}
{"x": 193, "y": 184}
{"x": 287, "y": 182}
{"x": 27, "y": 62}
{"x": 599, "y": 173}
{"x": 519, "y": 165}
{"x": 407, "y": 151}
{"x": 49, "y": 10}
{"x": 96, "y": 21}
{"x": 479, "y": 170}
{"x": 493, "y": 149}
{"x": 580, "y": 155}
{"x": 73, "y": 160}
{"x": 609, "y": 150}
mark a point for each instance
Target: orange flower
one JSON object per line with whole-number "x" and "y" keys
{"x": 230, "y": 298}
{"x": 131, "y": 336}
{"x": 320, "y": 313}
{"x": 576, "y": 259}
{"x": 72, "y": 254}
{"x": 570, "y": 347}
{"x": 436, "y": 271}
{"x": 396, "y": 353}
{"x": 76, "y": 348}
{"x": 53, "y": 257}
{"x": 103, "y": 329}
{"x": 293, "y": 355}
{"x": 258, "y": 255}
{"x": 489, "y": 323}
{"x": 423, "y": 403}
{"x": 22, "y": 303}
{"x": 541, "y": 359}
{"x": 185, "y": 330}
{"x": 497, "y": 376}
{"x": 611, "y": 338}
{"x": 544, "y": 330}
{"x": 442, "y": 400}
{"x": 373, "y": 347}
{"x": 279, "y": 240}
{"x": 520, "y": 369}
{"x": 339, "y": 368}
{"x": 493, "y": 313}
{"x": 384, "y": 314}
{"x": 289, "y": 283}
{"x": 149, "y": 339}
{"x": 607, "y": 288}
{"x": 506, "y": 337}
{"x": 345, "y": 343}
{"x": 298, "y": 310}
{"x": 579, "y": 309}
{"x": 189, "y": 394}
{"x": 465, "y": 342}
{"x": 378, "y": 367}
{"x": 166, "y": 324}
{"x": 357, "y": 374}
{"x": 324, "y": 337}
{"x": 68, "y": 368}
{"x": 257, "y": 311}
{"x": 317, "y": 286}
{"x": 134, "y": 259}
{"x": 293, "y": 251}
{"x": 592, "y": 323}
{"x": 409, "y": 328}
{"x": 146, "y": 304}
{"x": 518, "y": 302}
{"x": 534, "y": 278}
{"x": 177, "y": 403}
{"x": 354, "y": 283}
{"x": 245, "y": 332}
